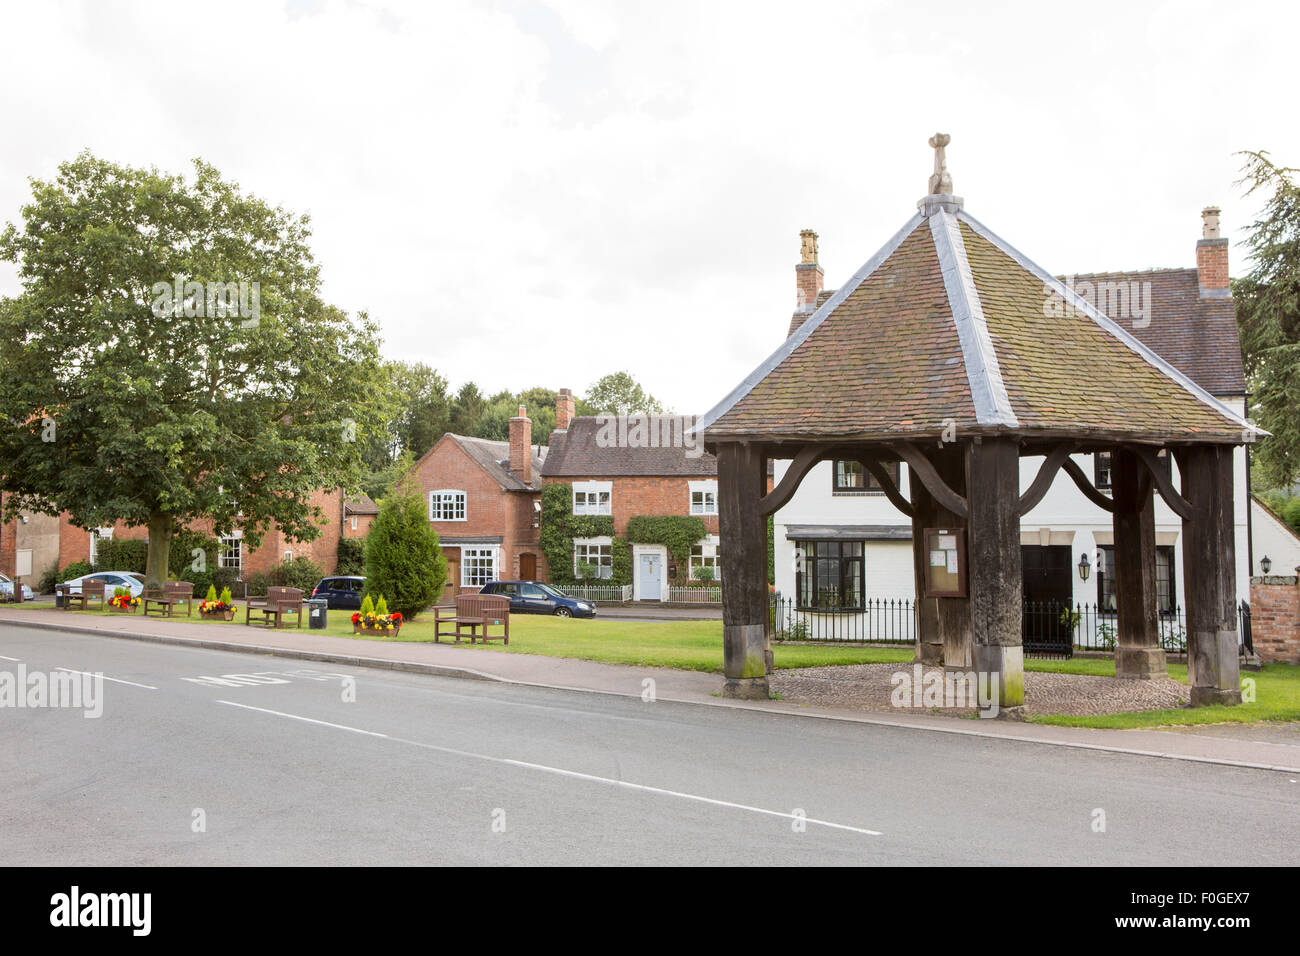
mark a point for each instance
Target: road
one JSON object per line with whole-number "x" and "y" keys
{"x": 281, "y": 768}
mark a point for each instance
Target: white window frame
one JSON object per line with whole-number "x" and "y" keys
{"x": 593, "y": 490}
{"x": 708, "y": 556}
{"x": 449, "y": 498}
{"x": 237, "y": 537}
{"x": 97, "y": 535}
{"x": 708, "y": 492}
{"x": 354, "y": 522}
{"x": 471, "y": 558}
{"x": 606, "y": 571}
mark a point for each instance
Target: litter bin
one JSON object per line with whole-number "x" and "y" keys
{"x": 316, "y": 615}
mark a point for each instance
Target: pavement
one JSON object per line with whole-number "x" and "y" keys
{"x": 200, "y": 756}
{"x": 1256, "y": 746}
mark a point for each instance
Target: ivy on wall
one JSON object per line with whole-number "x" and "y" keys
{"x": 678, "y": 533}
{"x": 560, "y": 526}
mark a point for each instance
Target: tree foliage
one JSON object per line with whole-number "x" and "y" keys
{"x": 620, "y": 394}
{"x": 119, "y": 403}
{"x": 404, "y": 561}
{"x": 1268, "y": 315}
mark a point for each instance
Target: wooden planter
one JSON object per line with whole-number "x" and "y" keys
{"x": 218, "y": 615}
{"x": 123, "y": 610}
{"x": 376, "y": 631}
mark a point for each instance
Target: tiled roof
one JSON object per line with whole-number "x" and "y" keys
{"x": 494, "y": 456}
{"x": 949, "y": 325}
{"x": 360, "y": 505}
{"x": 1196, "y": 335}
{"x": 585, "y": 449}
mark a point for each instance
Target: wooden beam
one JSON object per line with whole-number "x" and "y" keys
{"x": 994, "y": 564}
{"x": 1071, "y": 468}
{"x": 1166, "y": 487}
{"x": 924, "y": 470}
{"x": 1043, "y": 480}
{"x": 803, "y": 463}
{"x": 1138, "y": 653}
{"x": 886, "y": 482}
{"x": 742, "y": 476}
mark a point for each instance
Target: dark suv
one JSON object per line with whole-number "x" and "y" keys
{"x": 343, "y": 592}
{"x": 531, "y": 597}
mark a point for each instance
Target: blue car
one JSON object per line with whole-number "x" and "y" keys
{"x": 532, "y": 597}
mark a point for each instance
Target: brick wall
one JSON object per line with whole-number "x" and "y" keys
{"x": 1275, "y": 617}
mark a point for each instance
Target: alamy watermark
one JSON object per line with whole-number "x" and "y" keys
{"x": 69, "y": 690}
{"x": 650, "y": 431}
{"x": 934, "y": 688}
{"x": 213, "y": 300}
{"x": 1127, "y": 300}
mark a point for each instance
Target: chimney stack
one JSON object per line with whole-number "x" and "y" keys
{"x": 808, "y": 275}
{"x": 521, "y": 450}
{"x": 564, "y": 406}
{"x": 1212, "y": 257}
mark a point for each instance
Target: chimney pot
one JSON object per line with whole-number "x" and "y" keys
{"x": 564, "y": 408}
{"x": 1212, "y": 257}
{"x": 808, "y": 275}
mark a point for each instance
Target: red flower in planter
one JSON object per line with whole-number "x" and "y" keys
{"x": 396, "y": 617}
{"x": 356, "y": 618}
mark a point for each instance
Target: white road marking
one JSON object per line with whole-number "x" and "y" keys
{"x": 2, "y": 658}
{"x": 560, "y": 771}
{"x": 115, "y": 680}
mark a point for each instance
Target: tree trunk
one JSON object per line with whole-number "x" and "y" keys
{"x": 160, "y": 546}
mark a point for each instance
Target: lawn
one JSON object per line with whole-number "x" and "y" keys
{"x": 685, "y": 645}
{"x": 697, "y": 646}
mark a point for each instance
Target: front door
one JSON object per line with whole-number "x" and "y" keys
{"x": 650, "y": 573}
{"x": 528, "y": 567}
{"x": 1048, "y": 599}
{"x": 452, "y": 587}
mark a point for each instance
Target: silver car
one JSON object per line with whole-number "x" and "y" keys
{"x": 112, "y": 580}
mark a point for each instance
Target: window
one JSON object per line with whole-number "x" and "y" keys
{"x": 288, "y": 556}
{"x": 446, "y": 505}
{"x": 1101, "y": 468}
{"x": 830, "y": 575}
{"x": 478, "y": 566}
{"x": 231, "y": 554}
{"x": 592, "y": 497}
{"x": 596, "y": 555}
{"x": 706, "y": 554}
{"x": 704, "y": 497}
{"x": 1166, "y": 592}
{"x": 354, "y": 522}
{"x": 96, "y": 536}
{"x": 850, "y": 478}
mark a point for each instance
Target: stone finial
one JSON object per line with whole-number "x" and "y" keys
{"x": 808, "y": 247}
{"x": 941, "y": 181}
{"x": 1210, "y": 222}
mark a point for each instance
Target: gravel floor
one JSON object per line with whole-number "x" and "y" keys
{"x": 872, "y": 687}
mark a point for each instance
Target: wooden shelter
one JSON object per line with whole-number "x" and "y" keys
{"x": 952, "y": 351}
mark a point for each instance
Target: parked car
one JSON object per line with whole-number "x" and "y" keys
{"x": 112, "y": 580}
{"x": 7, "y": 589}
{"x": 533, "y": 597}
{"x": 342, "y": 592}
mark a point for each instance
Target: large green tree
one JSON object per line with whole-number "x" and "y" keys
{"x": 620, "y": 394}
{"x": 122, "y": 400}
{"x": 1268, "y": 314}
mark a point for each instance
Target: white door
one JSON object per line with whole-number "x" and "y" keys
{"x": 650, "y": 571}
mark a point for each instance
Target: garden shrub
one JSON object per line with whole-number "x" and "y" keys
{"x": 404, "y": 560}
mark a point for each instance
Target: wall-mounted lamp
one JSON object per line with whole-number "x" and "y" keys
{"x": 1266, "y": 564}
{"x": 1084, "y": 567}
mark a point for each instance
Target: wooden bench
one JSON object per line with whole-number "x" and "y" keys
{"x": 169, "y": 596}
{"x": 473, "y": 611}
{"x": 277, "y": 603}
{"x": 89, "y": 590}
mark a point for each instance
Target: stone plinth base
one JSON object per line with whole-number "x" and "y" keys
{"x": 746, "y": 688}
{"x": 1140, "y": 662}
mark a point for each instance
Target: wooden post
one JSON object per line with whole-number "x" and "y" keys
{"x": 993, "y": 545}
{"x": 1209, "y": 573}
{"x": 943, "y": 632}
{"x": 743, "y": 531}
{"x": 1138, "y": 652}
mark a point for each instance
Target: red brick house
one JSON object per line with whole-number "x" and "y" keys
{"x": 483, "y": 499}
{"x": 359, "y": 514}
{"x": 629, "y": 466}
{"x": 32, "y": 543}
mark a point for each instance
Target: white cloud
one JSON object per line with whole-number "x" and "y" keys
{"x": 539, "y": 193}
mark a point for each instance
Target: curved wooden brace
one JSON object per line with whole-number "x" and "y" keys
{"x": 1177, "y": 503}
{"x": 784, "y": 491}
{"x": 882, "y": 476}
{"x": 924, "y": 470}
{"x": 1071, "y": 468}
{"x": 1043, "y": 480}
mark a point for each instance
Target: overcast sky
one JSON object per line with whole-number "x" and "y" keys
{"x": 538, "y": 193}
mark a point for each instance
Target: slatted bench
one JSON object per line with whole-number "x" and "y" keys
{"x": 166, "y": 598}
{"x": 473, "y": 612}
{"x": 272, "y": 608}
{"x": 90, "y": 590}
